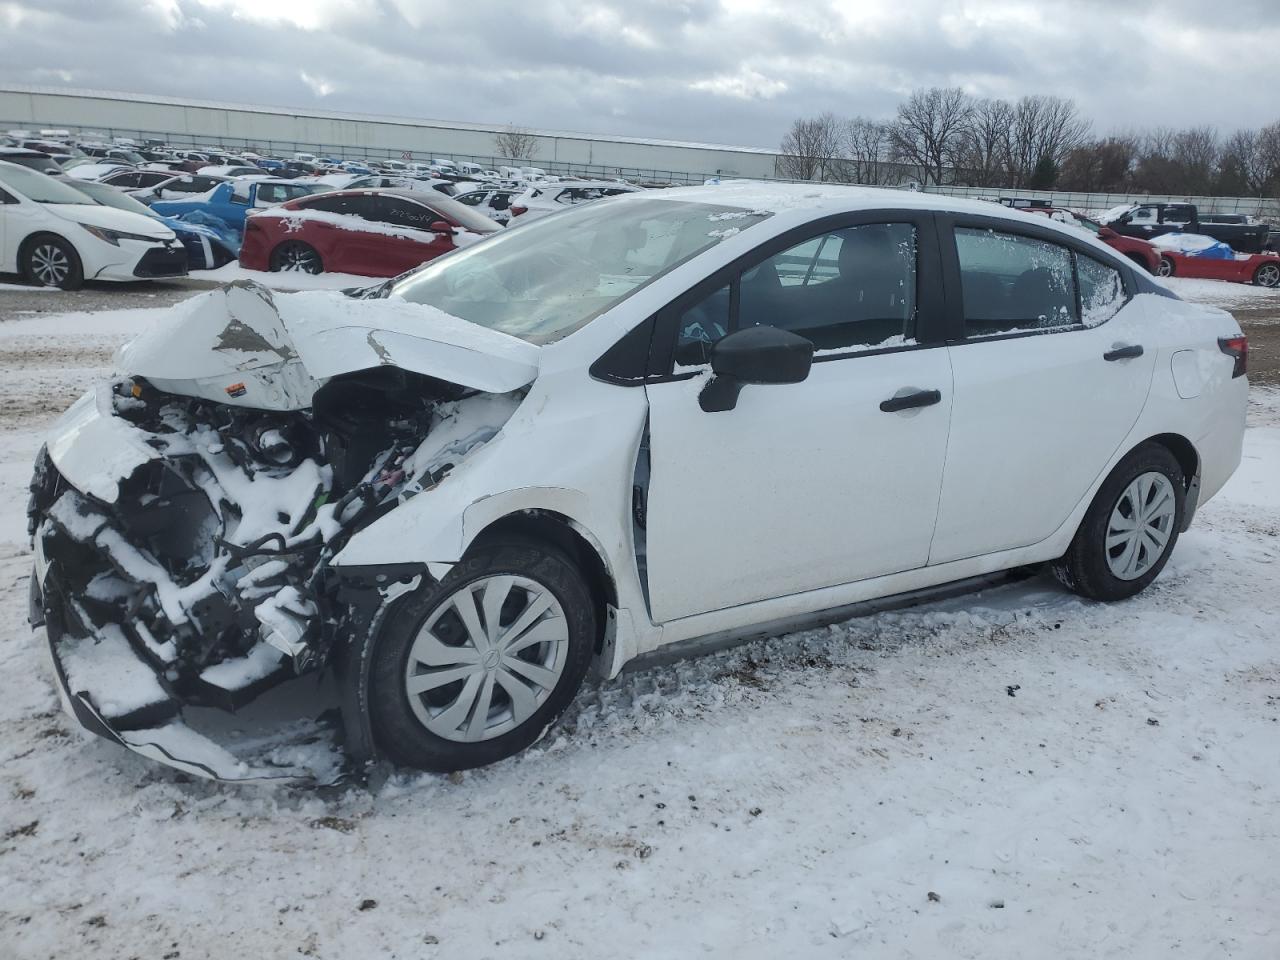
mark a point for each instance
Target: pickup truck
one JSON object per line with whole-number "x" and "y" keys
{"x": 1147, "y": 220}
{"x": 228, "y": 202}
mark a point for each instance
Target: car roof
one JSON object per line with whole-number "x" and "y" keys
{"x": 20, "y": 152}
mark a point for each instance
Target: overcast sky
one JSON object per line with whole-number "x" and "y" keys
{"x": 735, "y": 71}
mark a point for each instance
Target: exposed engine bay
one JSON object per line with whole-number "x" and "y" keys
{"x": 202, "y": 577}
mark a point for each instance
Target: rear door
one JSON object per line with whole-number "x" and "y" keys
{"x": 1052, "y": 366}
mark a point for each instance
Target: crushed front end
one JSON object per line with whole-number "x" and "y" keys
{"x": 182, "y": 550}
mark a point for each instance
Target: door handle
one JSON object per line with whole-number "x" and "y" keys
{"x": 1124, "y": 353}
{"x": 921, "y": 398}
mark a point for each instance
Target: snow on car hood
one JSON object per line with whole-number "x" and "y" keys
{"x": 1115, "y": 213}
{"x": 109, "y": 218}
{"x": 240, "y": 345}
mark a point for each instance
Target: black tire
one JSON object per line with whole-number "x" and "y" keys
{"x": 296, "y": 255}
{"x": 1166, "y": 268}
{"x": 51, "y": 261}
{"x": 399, "y": 733}
{"x": 1267, "y": 275}
{"x": 1085, "y": 568}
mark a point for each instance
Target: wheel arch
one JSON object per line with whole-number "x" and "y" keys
{"x": 570, "y": 536}
{"x": 1183, "y": 450}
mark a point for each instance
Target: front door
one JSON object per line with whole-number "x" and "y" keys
{"x": 1051, "y": 372}
{"x": 814, "y": 484}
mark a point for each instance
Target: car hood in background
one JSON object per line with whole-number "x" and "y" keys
{"x": 109, "y": 218}
{"x": 242, "y": 346}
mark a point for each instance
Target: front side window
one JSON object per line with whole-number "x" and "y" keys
{"x": 846, "y": 290}
{"x": 1144, "y": 215}
{"x": 403, "y": 213}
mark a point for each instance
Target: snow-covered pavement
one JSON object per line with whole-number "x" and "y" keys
{"x": 1014, "y": 774}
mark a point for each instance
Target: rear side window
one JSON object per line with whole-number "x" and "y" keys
{"x": 1017, "y": 284}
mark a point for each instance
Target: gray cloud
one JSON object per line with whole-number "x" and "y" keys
{"x": 681, "y": 69}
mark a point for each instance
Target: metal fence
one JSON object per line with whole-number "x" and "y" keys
{"x": 1261, "y": 207}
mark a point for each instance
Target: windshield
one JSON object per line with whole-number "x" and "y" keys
{"x": 38, "y": 187}
{"x": 111, "y": 197}
{"x": 541, "y": 281}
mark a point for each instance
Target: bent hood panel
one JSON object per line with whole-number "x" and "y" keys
{"x": 240, "y": 345}
{"x": 336, "y": 334}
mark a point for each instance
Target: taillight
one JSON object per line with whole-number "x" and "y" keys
{"x": 1238, "y": 348}
{"x": 517, "y": 210}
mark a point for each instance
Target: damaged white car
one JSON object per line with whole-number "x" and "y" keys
{"x": 667, "y": 418}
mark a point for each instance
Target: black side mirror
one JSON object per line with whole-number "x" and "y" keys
{"x": 755, "y": 355}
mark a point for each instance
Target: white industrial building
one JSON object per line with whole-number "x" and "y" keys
{"x": 287, "y": 130}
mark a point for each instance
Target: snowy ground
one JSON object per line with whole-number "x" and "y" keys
{"x": 1016, "y": 774}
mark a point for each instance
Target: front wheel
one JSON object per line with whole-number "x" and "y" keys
{"x": 473, "y": 669}
{"x": 1166, "y": 267}
{"x": 297, "y": 257}
{"x": 53, "y": 262}
{"x": 1267, "y": 275}
{"x": 1130, "y": 528}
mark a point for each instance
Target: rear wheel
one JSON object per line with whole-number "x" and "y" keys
{"x": 470, "y": 670}
{"x": 296, "y": 256}
{"x": 53, "y": 262}
{"x": 1267, "y": 275}
{"x": 1166, "y": 267}
{"x": 1130, "y": 528}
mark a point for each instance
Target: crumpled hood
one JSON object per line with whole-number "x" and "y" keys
{"x": 241, "y": 345}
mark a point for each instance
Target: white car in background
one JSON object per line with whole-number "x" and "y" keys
{"x": 228, "y": 170}
{"x": 93, "y": 170}
{"x": 58, "y": 237}
{"x": 542, "y": 199}
{"x": 493, "y": 203}
{"x": 678, "y": 417}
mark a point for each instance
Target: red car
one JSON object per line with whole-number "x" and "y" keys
{"x": 1262, "y": 269}
{"x": 373, "y": 233}
{"x": 1139, "y": 251}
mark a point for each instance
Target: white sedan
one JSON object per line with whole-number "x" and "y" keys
{"x": 57, "y": 237}
{"x": 669, "y": 418}
{"x": 543, "y": 199}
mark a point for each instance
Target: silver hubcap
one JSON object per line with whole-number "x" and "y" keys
{"x": 50, "y": 265}
{"x": 487, "y": 658}
{"x": 1140, "y": 525}
{"x": 1166, "y": 268}
{"x": 1269, "y": 275}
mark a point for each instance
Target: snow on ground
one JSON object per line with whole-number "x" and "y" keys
{"x": 1218, "y": 292}
{"x": 286, "y": 280}
{"x": 1013, "y": 774}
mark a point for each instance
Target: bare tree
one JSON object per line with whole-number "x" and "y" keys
{"x": 1042, "y": 131}
{"x": 1100, "y": 166}
{"x": 866, "y": 153}
{"x": 931, "y": 129}
{"x": 810, "y": 147}
{"x": 515, "y": 143}
{"x": 987, "y": 143}
{"x": 1195, "y": 157}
